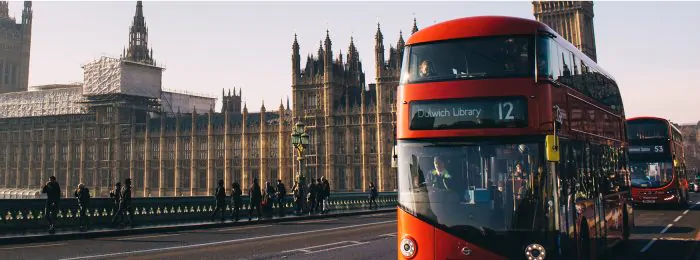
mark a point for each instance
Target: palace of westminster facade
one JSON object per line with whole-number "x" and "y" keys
{"x": 100, "y": 139}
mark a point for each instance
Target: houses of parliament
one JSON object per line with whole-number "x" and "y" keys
{"x": 109, "y": 127}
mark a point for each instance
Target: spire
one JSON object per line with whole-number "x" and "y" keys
{"x": 138, "y": 50}
{"x": 295, "y": 45}
{"x": 415, "y": 26}
{"x": 287, "y": 102}
{"x": 401, "y": 43}
{"x": 4, "y": 9}
{"x": 379, "y": 37}
{"x": 327, "y": 42}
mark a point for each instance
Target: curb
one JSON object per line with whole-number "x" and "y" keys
{"x": 173, "y": 228}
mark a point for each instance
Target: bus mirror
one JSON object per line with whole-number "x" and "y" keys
{"x": 552, "y": 148}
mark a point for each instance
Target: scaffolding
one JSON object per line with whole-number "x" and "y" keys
{"x": 63, "y": 101}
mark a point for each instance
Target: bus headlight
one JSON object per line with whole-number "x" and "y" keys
{"x": 408, "y": 247}
{"x": 535, "y": 252}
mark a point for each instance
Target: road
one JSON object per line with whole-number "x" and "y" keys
{"x": 660, "y": 234}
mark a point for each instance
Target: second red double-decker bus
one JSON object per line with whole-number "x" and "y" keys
{"x": 657, "y": 162}
{"x": 511, "y": 145}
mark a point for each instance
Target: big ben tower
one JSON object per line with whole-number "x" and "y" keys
{"x": 573, "y": 20}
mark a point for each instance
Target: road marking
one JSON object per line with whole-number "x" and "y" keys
{"x": 306, "y": 249}
{"x": 315, "y": 221}
{"x": 229, "y": 241}
{"x": 355, "y": 243}
{"x": 677, "y": 239}
{"x": 677, "y": 219}
{"x": 243, "y": 228}
{"x": 388, "y": 235}
{"x": 132, "y": 238}
{"x": 648, "y": 245}
{"x": 374, "y": 215}
{"x": 686, "y": 211}
{"x": 666, "y": 228}
{"x": 32, "y": 246}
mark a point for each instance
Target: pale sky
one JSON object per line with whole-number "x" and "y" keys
{"x": 651, "y": 48}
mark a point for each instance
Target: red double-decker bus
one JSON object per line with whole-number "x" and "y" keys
{"x": 657, "y": 162}
{"x": 511, "y": 145}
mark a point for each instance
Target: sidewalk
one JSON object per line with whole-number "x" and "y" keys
{"x": 32, "y": 237}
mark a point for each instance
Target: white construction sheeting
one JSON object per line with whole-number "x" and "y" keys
{"x": 172, "y": 101}
{"x": 61, "y": 101}
{"x": 114, "y": 76}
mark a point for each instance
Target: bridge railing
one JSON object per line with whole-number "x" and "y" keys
{"x": 22, "y": 215}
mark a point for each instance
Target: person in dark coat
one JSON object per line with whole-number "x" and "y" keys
{"x": 115, "y": 195}
{"x": 220, "y": 196}
{"x": 325, "y": 194}
{"x": 269, "y": 199}
{"x": 312, "y": 197}
{"x": 255, "y": 199}
{"x": 236, "y": 202}
{"x": 281, "y": 197}
{"x": 125, "y": 204}
{"x": 83, "y": 196}
{"x": 373, "y": 196}
{"x": 53, "y": 194}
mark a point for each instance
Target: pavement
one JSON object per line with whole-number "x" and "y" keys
{"x": 659, "y": 234}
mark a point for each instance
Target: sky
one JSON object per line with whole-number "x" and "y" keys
{"x": 651, "y": 48}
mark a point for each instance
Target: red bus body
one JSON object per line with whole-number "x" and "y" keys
{"x": 582, "y": 224}
{"x": 658, "y": 162}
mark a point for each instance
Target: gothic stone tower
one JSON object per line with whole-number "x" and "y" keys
{"x": 351, "y": 125}
{"x": 571, "y": 19}
{"x": 138, "y": 50}
{"x": 231, "y": 103}
{"x": 15, "y": 43}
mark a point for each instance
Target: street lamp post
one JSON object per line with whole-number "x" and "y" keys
{"x": 300, "y": 140}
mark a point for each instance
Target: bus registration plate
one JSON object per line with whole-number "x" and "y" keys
{"x": 648, "y": 201}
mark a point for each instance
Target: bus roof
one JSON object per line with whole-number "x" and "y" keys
{"x": 668, "y": 122}
{"x": 484, "y": 26}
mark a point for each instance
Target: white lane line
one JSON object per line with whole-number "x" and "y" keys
{"x": 666, "y": 228}
{"x": 677, "y": 219}
{"x": 388, "y": 235}
{"x": 228, "y": 241}
{"x": 648, "y": 245}
{"x": 686, "y": 211}
{"x": 242, "y": 228}
{"x": 32, "y": 246}
{"x": 315, "y": 221}
{"x": 355, "y": 243}
{"x": 374, "y": 215}
{"x": 132, "y": 238}
{"x": 306, "y": 249}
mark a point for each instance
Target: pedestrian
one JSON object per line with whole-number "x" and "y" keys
{"x": 281, "y": 197}
{"x": 115, "y": 195}
{"x": 373, "y": 196}
{"x": 326, "y": 194}
{"x": 53, "y": 194}
{"x": 296, "y": 193}
{"x": 82, "y": 194}
{"x": 125, "y": 204}
{"x": 255, "y": 199}
{"x": 220, "y": 196}
{"x": 269, "y": 199}
{"x": 312, "y": 197}
{"x": 236, "y": 204}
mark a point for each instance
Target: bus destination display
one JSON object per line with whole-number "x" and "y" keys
{"x": 501, "y": 112}
{"x": 648, "y": 149}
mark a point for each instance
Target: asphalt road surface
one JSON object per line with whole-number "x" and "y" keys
{"x": 660, "y": 234}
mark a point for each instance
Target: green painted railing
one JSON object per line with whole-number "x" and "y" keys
{"x": 18, "y": 215}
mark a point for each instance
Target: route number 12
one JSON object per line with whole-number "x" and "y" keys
{"x": 508, "y": 107}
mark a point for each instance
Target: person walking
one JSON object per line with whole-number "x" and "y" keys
{"x": 312, "y": 197}
{"x": 220, "y": 196}
{"x": 125, "y": 204}
{"x": 82, "y": 194}
{"x": 281, "y": 197}
{"x": 236, "y": 202}
{"x": 53, "y": 194}
{"x": 373, "y": 196}
{"x": 255, "y": 199}
{"x": 326, "y": 190}
{"x": 115, "y": 196}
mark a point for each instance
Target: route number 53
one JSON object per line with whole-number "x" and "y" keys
{"x": 658, "y": 149}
